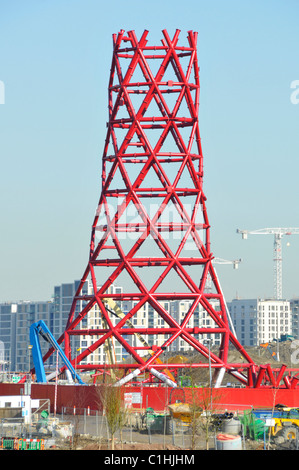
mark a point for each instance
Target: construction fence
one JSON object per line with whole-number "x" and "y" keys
{"x": 73, "y": 426}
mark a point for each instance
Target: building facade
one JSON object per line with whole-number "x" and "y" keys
{"x": 255, "y": 321}
{"x": 15, "y": 321}
{"x": 294, "y": 304}
{"x": 258, "y": 321}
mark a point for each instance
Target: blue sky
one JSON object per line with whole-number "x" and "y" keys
{"x": 55, "y": 60}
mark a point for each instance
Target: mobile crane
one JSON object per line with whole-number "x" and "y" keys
{"x": 40, "y": 329}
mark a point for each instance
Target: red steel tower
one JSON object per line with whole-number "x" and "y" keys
{"x": 151, "y": 233}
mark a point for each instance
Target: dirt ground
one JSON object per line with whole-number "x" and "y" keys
{"x": 87, "y": 445}
{"x": 130, "y": 447}
{"x": 93, "y": 443}
{"x": 284, "y": 351}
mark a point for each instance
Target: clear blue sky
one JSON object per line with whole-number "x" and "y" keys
{"x": 55, "y": 58}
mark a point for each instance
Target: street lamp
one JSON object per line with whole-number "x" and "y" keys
{"x": 208, "y": 341}
{"x": 78, "y": 350}
{"x": 29, "y": 356}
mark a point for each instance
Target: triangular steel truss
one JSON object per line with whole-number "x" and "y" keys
{"x": 152, "y": 196}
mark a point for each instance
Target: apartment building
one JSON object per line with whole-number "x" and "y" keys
{"x": 259, "y": 321}
{"x": 15, "y": 321}
{"x": 255, "y": 321}
{"x": 93, "y": 321}
{"x": 200, "y": 319}
{"x": 147, "y": 317}
{"x": 294, "y": 304}
{"x": 63, "y": 298}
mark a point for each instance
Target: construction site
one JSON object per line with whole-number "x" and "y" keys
{"x": 151, "y": 235}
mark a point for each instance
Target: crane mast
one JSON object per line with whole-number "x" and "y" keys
{"x": 278, "y": 233}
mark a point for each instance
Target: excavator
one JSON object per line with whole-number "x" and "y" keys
{"x": 268, "y": 348}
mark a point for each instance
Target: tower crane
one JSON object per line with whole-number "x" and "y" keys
{"x": 235, "y": 264}
{"x": 278, "y": 234}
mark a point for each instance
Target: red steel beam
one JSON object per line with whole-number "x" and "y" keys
{"x": 145, "y": 173}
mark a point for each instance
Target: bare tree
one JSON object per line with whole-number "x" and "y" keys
{"x": 113, "y": 407}
{"x": 203, "y": 404}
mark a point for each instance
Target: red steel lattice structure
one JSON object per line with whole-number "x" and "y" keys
{"x": 151, "y": 233}
{"x": 152, "y": 213}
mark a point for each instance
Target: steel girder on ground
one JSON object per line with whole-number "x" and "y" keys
{"x": 151, "y": 233}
